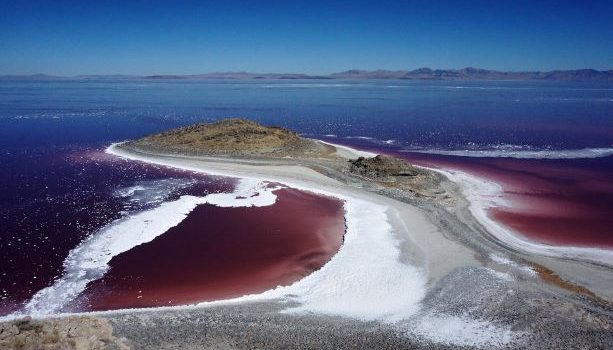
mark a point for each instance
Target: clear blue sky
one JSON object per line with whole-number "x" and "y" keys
{"x": 167, "y": 37}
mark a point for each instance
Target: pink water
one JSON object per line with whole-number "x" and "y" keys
{"x": 220, "y": 253}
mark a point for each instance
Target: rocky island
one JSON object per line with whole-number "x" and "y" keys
{"x": 232, "y": 138}
{"x": 244, "y": 140}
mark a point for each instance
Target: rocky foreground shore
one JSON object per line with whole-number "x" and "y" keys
{"x": 76, "y": 332}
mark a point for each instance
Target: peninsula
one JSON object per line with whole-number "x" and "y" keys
{"x": 416, "y": 268}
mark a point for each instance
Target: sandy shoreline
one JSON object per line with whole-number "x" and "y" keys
{"x": 438, "y": 280}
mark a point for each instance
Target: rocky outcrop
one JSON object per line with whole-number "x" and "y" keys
{"x": 396, "y": 174}
{"x": 77, "y": 332}
{"x": 381, "y": 167}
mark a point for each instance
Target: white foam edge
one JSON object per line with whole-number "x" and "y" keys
{"x": 483, "y": 195}
{"x": 585, "y": 153}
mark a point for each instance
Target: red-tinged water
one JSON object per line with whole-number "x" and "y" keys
{"x": 54, "y": 198}
{"x": 220, "y": 253}
{"x": 559, "y": 202}
{"x": 552, "y": 201}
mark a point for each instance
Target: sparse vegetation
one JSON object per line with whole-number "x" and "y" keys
{"x": 233, "y": 137}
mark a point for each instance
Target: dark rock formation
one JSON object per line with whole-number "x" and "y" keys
{"x": 382, "y": 166}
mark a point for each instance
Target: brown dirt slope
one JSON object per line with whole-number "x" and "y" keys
{"x": 232, "y": 137}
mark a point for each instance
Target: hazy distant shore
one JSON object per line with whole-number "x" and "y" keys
{"x": 355, "y": 74}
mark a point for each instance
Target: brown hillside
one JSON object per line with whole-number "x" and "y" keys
{"x": 232, "y": 137}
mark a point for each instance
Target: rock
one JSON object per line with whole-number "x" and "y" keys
{"x": 382, "y": 166}
{"x": 76, "y": 332}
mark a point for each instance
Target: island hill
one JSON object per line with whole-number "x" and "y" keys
{"x": 244, "y": 140}
{"x": 233, "y": 138}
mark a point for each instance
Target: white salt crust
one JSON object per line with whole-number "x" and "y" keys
{"x": 525, "y": 154}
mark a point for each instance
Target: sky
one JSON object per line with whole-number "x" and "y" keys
{"x": 315, "y": 37}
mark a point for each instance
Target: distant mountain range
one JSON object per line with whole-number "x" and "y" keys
{"x": 476, "y": 74}
{"x": 417, "y": 74}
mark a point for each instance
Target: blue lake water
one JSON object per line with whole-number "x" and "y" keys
{"x": 419, "y": 114}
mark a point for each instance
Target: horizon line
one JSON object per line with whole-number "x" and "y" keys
{"x": 423, "y": 69}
